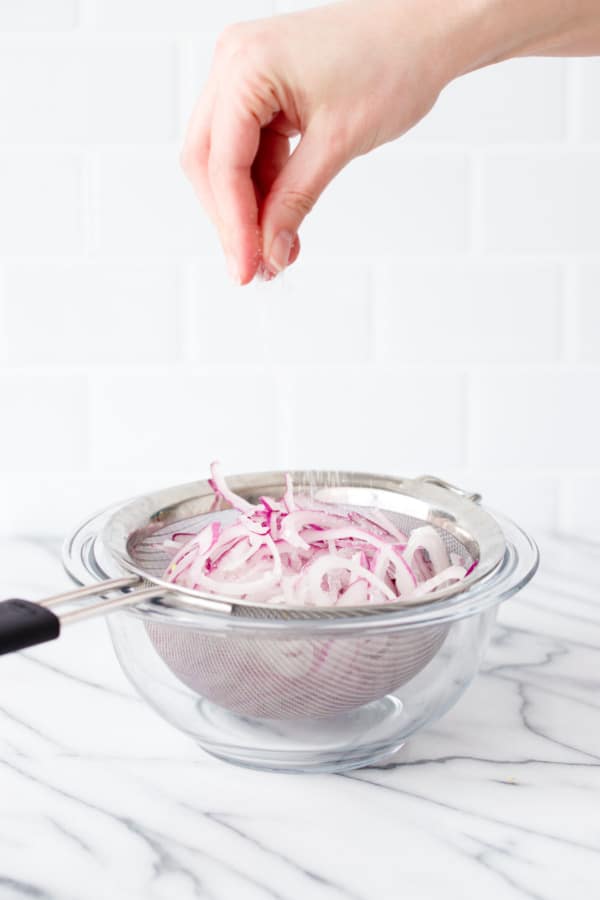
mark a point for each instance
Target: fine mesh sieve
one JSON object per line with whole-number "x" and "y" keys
{"x": 287, "y": 678}
{"x": 280, "y": 673}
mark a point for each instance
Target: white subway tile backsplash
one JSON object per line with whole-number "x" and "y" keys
{"x": 37, "y": 15}
{"x": 587, "y": 303}
{"x": 589, "y": 105}
{"x": 90, "y": 313}
{"x": 38, "y": 504}
{"x": 393, "y": 202}
{"x": 520, "y": 100}
{"x": 394, "y": 420}
{"x": 469, "y": 312}
{"x": 315, "y": 312}
{"x": 529, "y": 499}
{"x": 146, "y": 207}
{"x": 582, "y": 502}
{"x": 535, "y": 419}
{"x": 108, "y": 91}
{"x": 44, "y": 423}
{"x": 321, "y": 314}
{"x": 41, "y": 203}
{"x": 202, "y": 47}
{"x": 285, "y": 6}
{"x": 177, "y": 15}
{"x": 529, "y": 496}
{"x": 545, "y": 202}
{"x": 181, "y": 420}
{"x": 441, "y": 315}
{"x": 228, "y": 324}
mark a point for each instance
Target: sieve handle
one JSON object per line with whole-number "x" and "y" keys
{"x": 24, "y": 624}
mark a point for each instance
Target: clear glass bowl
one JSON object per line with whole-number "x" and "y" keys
{"x": 275, "y": 694}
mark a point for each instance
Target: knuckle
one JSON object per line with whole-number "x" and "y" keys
{"x": 338, "y": 143}
{"x": 338, "y": 139}
{"x": 230, "y": 38}
{"x": 191, "y": 161}
{"x": 297, "y": 201}
{"x": 243, "y": 46}
{"x": 186, "y": 160}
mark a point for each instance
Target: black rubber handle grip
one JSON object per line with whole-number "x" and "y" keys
{"x": 23, "y": 624}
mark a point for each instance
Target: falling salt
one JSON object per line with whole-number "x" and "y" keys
{"x": 280, "y": 291}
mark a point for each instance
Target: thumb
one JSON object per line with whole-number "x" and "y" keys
{"x": 293, "y": 194}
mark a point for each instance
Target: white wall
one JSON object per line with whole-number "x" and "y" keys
{"x": 444, "y": 316}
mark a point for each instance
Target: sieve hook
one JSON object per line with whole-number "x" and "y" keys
{"x": 453, "y": 488}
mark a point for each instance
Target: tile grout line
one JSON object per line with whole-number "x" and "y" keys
{"x": 377, "y": 291}
{"x": 569, "y": 325}
{"x": 92, "y": 414}
{"x": 475, "y": 220}
{"x": 563, "y": 514}
{"x": 86, "y": 15}
{"x": 3, "y": 318}
{"x": 88, "y": 190}
{"x": 387, "y": 369}
{"x": 572, "y": 98}
{"x": 185, "y": 84}
{"x": 188, "y": 278}
{"x": 93, "y": 205}
{"x": 469, "y": 434}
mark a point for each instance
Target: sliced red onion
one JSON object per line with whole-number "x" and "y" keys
{"x": 221, "y": 489}
{"x": 300, "y": 553}
{"x": 426, "y": 538}
{"x": 320, "y": 567}
{"x": 377, "y": 518}
{"x": 304, "y": 518}
{"x": 442, "y": 579}
{"x": 356, "y": 594}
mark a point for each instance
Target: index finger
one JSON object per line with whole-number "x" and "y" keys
{"x": 196, "y": 148}
{"x": 235, "y": 138}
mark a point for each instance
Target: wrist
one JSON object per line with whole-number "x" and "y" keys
{"x": 454, "y": 36}
{"x": 483, "y": 32}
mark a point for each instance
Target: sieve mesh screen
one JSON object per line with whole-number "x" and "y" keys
{"x": 315, "y": 671}
{"x": 286, "y": 678}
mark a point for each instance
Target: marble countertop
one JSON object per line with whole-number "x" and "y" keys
{"x": 99, "y": 798}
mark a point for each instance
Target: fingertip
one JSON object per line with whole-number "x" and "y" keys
{"x": 247, "y": 277}
{"x": 240, "y": 274}
{"x": 295, "y": 252}
{"x": 233, "y": 269}
{"x": 242, "y": 269}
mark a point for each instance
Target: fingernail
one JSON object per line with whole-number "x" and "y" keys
{"x": 234, "y": 272}
{"x": 263, "y": 274}
{"x": 281, "y": 250}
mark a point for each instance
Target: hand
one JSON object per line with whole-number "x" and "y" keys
{"x": 346, "y": 78}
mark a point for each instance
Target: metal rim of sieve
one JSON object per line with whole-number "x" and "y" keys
{"x": 426, "y": 498}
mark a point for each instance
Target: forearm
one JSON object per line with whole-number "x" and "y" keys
{"x": 488, "y": 31}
